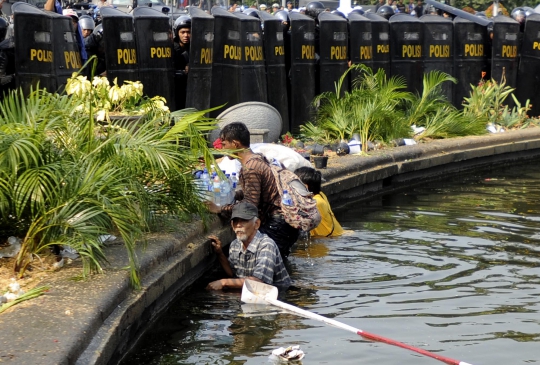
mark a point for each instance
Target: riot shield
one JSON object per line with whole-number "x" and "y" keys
{"x": 504, "y": 45}
{"x": 360, "y": 40}
{"x": 439, "y": 48}
{"x": 120, "y": 45}
{"x": 471, "y": 57}
{"x": 155, "y": 53}
{"x": 528, "y": 77}
{"x": 34, "y": 48}
{"x": 200, "y": 59}
{"x": 380, "y": 29}
{"x": 253, "y": 79}
{"x": 334, "y": 54}
{"x": 274, "y": 56}
{"x": 67, "y": 55}
{"x": 302, "y": 71}
{"x": 406, "y": 41}
{"x": 226, "y": 72}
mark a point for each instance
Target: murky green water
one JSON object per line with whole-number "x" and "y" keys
{"x": 451, "y": 267}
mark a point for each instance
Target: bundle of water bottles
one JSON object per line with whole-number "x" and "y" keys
{"x": 213, "y": 188}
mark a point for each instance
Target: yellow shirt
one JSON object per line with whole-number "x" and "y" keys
{"x": 328, "y": 220}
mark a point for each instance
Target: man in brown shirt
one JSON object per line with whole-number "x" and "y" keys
{"x": 258, "y": 187}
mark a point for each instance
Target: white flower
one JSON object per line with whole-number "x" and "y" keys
{"x": 78, "y": 85}
{"x": 100, "y": 82}
{"x": 100, "y": 115}
{"x": 116, "y": 94}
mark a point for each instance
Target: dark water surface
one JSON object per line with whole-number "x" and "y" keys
{"x": 451, "y": 267}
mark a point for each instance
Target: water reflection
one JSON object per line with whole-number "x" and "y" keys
{"x": 451, "y": 267}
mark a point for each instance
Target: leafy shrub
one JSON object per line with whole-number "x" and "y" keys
{"x": 487, "y": 102}
{"x": 66, "y": 179}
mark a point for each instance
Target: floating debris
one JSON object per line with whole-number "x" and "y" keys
{"x": 291, "y": 353}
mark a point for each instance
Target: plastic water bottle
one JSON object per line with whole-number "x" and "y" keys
{"x": 234, "y": 181}
{"x": 286, "y": 198}
{"x": 206, "y": 185}
{"x": 216, "y": 187}
{"x": 224, "y": 191}
{"x": 205, "y": 179}
{"x": 230, "y": 197}
{"x": 199, "y": 188}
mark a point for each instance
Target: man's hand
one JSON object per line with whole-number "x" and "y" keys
{"x": 212, "y": 207}
{"x": 215, "y": 285}
{"x": 216, "y": 244}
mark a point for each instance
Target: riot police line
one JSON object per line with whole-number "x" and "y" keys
{"x": 283, "y": 60}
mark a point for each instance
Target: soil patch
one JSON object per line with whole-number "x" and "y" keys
{"x": 36, "y": 272}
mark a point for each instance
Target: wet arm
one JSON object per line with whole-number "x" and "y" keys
{"x": 237, "y": 283}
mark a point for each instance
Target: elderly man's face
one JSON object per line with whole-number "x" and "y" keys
{"x": 245, "y": 229}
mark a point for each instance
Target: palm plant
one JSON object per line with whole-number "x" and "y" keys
{"x": 377, "y": 105}
{"x": 65, "y": 179}
{"x": 448, "y": 122}
{"x": 432, "y": 99}
{"x": 333, "y": 111}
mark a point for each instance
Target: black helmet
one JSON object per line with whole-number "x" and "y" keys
{"x": 385, "y": 11}
{"x": 481, "y": 14}
{"x": 314, "y": 8}
{"x": 86, "y": 22}
{"x": 358, "y": 11}
{"x": 283, "y": 15}
{"x": 337, "y": 12}
{"x": 98, "y": 29}
{"x": 183, "y": 21}
{"x": 3, "y": 28}
{"x": 251, "y": 12}
{"x": 528, "y": 11}
{"x": 518, "y": 14}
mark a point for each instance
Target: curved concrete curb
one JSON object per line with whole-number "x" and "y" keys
{"x": 97, "y": 321}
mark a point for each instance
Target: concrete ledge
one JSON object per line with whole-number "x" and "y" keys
{"x": 97, "y": 321}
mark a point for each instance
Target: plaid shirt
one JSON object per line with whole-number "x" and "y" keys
{"x": 261, "y": 259}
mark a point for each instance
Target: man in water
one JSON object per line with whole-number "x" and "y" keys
{"x": 259, "y": 187}
{"x": 252, "y": 255}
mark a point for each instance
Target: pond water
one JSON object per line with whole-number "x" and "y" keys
{"x": 451, "y": 267}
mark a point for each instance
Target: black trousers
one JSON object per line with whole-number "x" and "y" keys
{"x": 281, "y": 232}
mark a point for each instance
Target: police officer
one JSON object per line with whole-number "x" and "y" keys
{"x": 386, "y": 11}
{"x": 314, "y": 8}
{"x": 87, "y": 25}
{"x": 182, "y": 40}
{"x": 290, "y": 6}
{"x": 284, "y": 16}
{"x": 94, "y": 45}
{"x": 7, "y": 59}
{"x": 519, "y": 16}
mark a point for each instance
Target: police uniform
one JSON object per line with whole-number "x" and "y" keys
{"x": 181, "y": 61}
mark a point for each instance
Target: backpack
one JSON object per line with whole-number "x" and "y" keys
{"x": 303, "y": 213}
